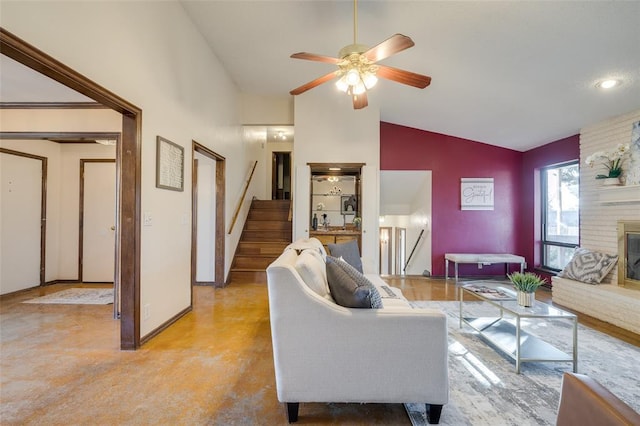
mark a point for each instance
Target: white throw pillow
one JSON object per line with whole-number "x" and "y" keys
{"x": 308, "y": 243}
{"x": 312, "y": 269}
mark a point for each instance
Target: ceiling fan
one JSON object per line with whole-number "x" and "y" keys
{"x": 358, "y": 69}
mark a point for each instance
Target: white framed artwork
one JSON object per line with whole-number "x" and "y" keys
{"x": 476, "y": 193}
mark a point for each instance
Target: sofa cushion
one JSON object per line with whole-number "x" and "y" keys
{"x": 312, "y": 269}
{"x": 349, "y": 288}
{"x": 588, "y": 266}
{"x": 348, "y": 251}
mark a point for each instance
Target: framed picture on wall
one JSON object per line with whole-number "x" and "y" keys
{"x": 348, "y": 204}
{"x": 169, "y": 165}
{"x": 476, "y": 193}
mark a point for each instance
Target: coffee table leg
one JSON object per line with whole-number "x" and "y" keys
{"x": 575, "y": 345}
{"x": 517, "y": 344}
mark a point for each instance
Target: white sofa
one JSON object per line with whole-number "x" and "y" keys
{"x": 324, "y": 352}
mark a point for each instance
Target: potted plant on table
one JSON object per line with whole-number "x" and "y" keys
{"x": 526, "y": 283}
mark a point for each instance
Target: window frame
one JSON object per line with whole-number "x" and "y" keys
{"x": 544, "y": 243}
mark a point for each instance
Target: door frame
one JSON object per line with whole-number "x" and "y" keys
{"x": 401, "y": 237}
{"x": 129, "y": 155}
{"x": 219, "y": 244}
{"x": 274, "y": 173}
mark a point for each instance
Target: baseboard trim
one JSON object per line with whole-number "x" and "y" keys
{"x": 165, "y": 325}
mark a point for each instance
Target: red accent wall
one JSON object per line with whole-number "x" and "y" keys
{"x": 560, "y": 151}
{"x": 506, "y": 229}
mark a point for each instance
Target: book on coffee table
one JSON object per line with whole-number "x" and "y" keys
{"x": 493, "y": 293}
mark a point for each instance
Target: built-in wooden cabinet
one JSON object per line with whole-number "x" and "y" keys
{"x": 337, "y": 237}
{"x": 335, "y": 202}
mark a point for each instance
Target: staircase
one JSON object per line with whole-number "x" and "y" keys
{"x": 266, "y": 233}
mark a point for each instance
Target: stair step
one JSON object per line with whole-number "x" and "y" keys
{"x": 261, "y": 248}
{"x": 271, "y": 204}
{"x": 268, "y": 235}
{"x": 253, "y": 262}
{"x": 264, "y": 214}
{"x": 267, "y": 225}
{"x": 238, "y": 276}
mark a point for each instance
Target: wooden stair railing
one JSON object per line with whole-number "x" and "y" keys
{"x": 244, "y": 194}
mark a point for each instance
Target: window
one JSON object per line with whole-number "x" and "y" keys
{"x": 560, "y": 214}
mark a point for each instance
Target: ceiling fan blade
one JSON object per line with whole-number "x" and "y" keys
{"x": 360, "y": 101}
{"x": 405, "y": 77}
{"x": 314, "y": 57}
{"x": 394, "y": 44}
{"x": 314, "y": 83}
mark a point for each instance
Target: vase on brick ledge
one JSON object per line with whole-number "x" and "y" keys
{"x": 611, "y": 181}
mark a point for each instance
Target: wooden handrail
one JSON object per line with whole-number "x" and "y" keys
{"x": 244, "y": 194}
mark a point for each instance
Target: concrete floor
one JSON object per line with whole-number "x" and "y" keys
{"x": 61, "y": 364}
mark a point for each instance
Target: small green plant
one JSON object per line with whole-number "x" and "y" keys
{"x": 527, "y": 282}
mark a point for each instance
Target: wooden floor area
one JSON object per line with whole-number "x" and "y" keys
{"x": 61, "y": 364}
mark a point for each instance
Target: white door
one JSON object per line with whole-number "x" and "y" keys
{"x": 99, "y": 220}
{"x": 206, "y": 216}
{"x": 20, "y": 222}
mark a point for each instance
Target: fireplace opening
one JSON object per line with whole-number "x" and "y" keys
{"x": 629, "y": 254}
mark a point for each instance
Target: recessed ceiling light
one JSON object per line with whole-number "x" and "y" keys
{"x": 608, "y": 84}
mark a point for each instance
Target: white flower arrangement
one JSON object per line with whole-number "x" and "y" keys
{"x": 612, "y": 160}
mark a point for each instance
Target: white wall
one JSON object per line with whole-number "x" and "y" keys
{"x": 598, "y": 221}
{"x": 265, "y": 110}
{"x": 158, "y": 61}
{"x": 328, "y": 129}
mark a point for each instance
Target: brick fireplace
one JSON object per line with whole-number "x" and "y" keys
{"x": 601, "y": 208}
{"x": 629, "y": 254}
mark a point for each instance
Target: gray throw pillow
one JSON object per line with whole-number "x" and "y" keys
{"x": 348, "y": 251}
{"x": 349, "y": 288}
{"x": 588, "y": 266}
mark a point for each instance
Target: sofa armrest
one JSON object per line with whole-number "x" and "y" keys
{"x": 585, "y": 402}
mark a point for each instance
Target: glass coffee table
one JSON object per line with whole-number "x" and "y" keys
{"x": 504, "y": 330}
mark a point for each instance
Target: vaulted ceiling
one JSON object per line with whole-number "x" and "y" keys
{"x": 516, "y": 74}
{"x": 512, "y": 74}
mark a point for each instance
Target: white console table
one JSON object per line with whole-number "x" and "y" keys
{"x": 481, "y": 259}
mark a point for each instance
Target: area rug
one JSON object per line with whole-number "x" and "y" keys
{"x": 484, "y": 388}
{"x": 77, "y": 296}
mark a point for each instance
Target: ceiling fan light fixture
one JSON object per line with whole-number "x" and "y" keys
{"x": 369, "y": 79}
{"x": 352, "y": 77}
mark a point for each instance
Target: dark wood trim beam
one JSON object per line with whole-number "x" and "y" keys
{"x": 51, "y": 105}
{"x": 60, "y": 137}
{"x": 28, "y": 55}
